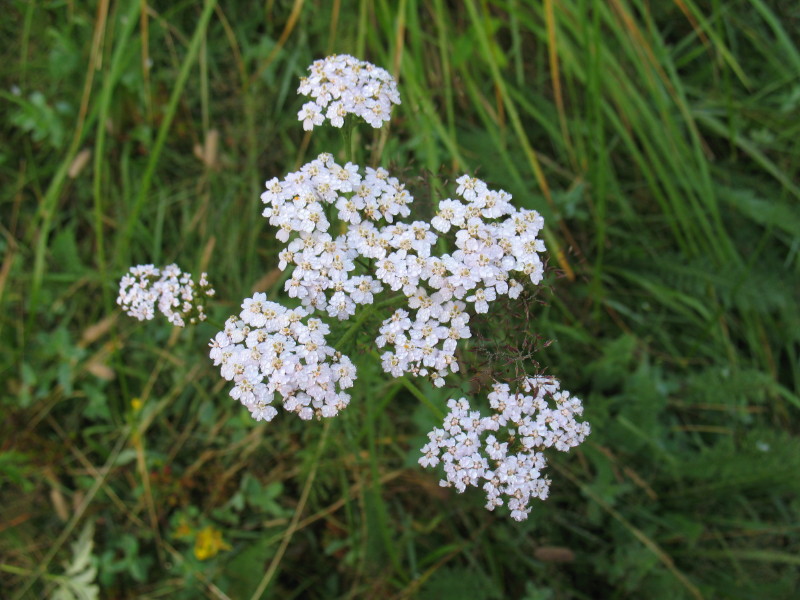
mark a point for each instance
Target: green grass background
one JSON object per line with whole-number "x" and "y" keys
{"x": 660, "y": 140}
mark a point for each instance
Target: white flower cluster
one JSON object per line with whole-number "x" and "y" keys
{"x": 269, "y": 349}
{"x": 492, "y": 239}
{"x": 174, "y": 292}
{"x": 489, "y": 250}
{"x": 323, "y": 278}
{"x": 474, "y": 453}
{"x": 438, "y": 287}
{"x": 425, "y": 346}
{"x": 342, "y": 85}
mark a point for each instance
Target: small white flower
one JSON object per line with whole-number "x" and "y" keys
{"x": 481, "y": 298}
{"x": 311, "y": 115}
{"x": 341, "y": 85}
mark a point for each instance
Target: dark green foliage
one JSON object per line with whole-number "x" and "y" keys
{"x": 660, "y": 141}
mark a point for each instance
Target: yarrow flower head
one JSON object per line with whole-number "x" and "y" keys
{"x": 172, "y": 291}
{"x": 492, "y": 239}
{"x": 341, "y": 85}
{"x": 268, "y": 349}
{"x": 503, "y": 453}
{"x": 345, "y": 242}
{"x": 324, "y": 274}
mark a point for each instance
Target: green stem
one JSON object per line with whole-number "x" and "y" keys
{"x": 390, "y": 302}
{"x": 416, "y": 392}
{"x": 363, "y": 316}
{"x": 301, "y": 504}
{"x": 15, "y": 570}
{"x": 353, "y": 329}
{"x": 49, "y": 204}
{"x": 215, "y": 323}
{"x": 110, "y": 81}
{"x": 347, "y": 133}
{"x": 169, "y": 115}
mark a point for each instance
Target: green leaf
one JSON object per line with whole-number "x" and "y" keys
{"x": 77, "y": 583}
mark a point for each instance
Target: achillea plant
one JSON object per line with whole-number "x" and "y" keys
{"x": 269, "y": 349}
{"x": 512, "y": 467}
{"x": 349, "y": 251}
{"x": 341, "y": 85}
{"x": 172, "y": 291}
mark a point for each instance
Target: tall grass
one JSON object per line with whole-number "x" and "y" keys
{"x": 659, "y": 141}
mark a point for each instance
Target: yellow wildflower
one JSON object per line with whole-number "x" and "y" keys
{"x": 209, "y": 543}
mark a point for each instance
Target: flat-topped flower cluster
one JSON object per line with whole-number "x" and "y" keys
{"x": 341, "y": 85}
{"x": 269, "y": 349}
{"x": 145, "y": 288}
{"x": 474, "y": 453}
{"x": 494, "y": 242}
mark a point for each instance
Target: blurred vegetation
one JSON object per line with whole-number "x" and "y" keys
{"x": 661, "y": 142}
